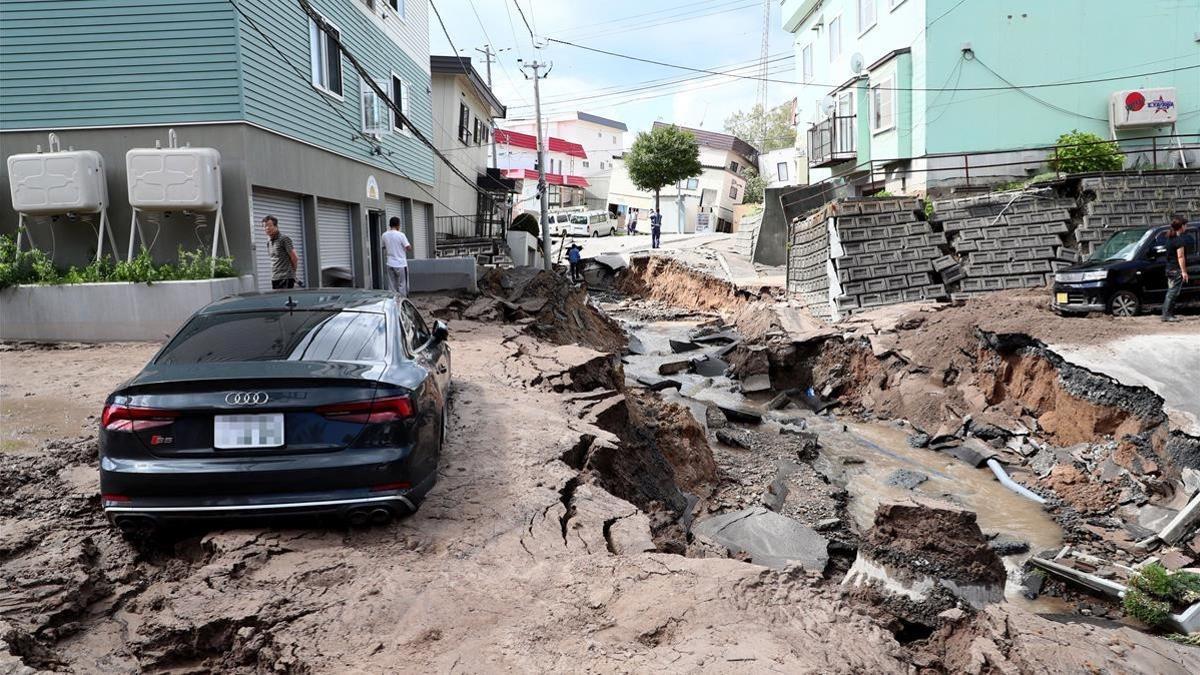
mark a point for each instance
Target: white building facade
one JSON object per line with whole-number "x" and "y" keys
{"x": 703, "y": 203}
{"x": 601, "y": 138}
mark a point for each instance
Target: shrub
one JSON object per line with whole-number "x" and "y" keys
{"x": 36, "y": 267}
{"x": 1154, "y": 590}
{"x": 1081, "y": 151}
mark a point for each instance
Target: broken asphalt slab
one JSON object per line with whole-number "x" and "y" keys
{"x": 768, "y": 538}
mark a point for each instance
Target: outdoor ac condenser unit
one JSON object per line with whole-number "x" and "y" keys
{"x": 174, "y": 179}
{"x": 66, "y": 181}
{"x": 1144, "y": 107}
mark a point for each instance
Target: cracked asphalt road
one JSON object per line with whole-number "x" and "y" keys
{"x": 488, "y": 576}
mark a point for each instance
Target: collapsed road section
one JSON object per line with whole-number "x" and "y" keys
{"x": 579, "y": 517}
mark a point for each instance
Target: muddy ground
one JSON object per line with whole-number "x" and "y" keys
{"x": 521, "y": 559}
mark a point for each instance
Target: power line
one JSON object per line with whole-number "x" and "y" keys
{"x": 1030, "y": 96}
{"x": 819, "y": 84}
{"x": 532, "y": 40}
{"x": 682, "y": 17}
{"x": 652, "y": 84}
{"x": 357, "y": 133}
{"x": 632, "y": 18}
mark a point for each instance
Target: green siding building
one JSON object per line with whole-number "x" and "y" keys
{"x": 892, "y": 93}
{"x": 300, "y": 135}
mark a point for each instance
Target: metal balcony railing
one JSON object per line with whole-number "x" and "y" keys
{"x": 832, "y": 141}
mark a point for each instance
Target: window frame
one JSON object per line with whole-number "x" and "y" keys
{"x": 693, "y": 184}
{"x": 382, "y": 128}
{"x": 835, "y": 38}
{"x": 733, "y": 191}
{"x": 399, "y": 8}
{"x": 873, "y": 4}
{"x": 318, "y": 54}
{"x": 782, "y": 175}
{"x": 733, "y": 166}
{"x": 886, "y": 86}
{"x": 464, "y": 123}
{"x": 806, "y": 63}
{"x": 400, "y": 98}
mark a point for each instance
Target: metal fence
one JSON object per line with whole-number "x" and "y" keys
{"x": 832, "y": 140}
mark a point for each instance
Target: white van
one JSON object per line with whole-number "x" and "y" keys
{"x": 592, "y": 224}
{"x": 560, "y": 224}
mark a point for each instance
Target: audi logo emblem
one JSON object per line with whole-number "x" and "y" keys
{"x": 247, "y": 398}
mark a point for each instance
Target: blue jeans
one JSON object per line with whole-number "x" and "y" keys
{"x": 655, "y": 236}
{"x": 1174, "y": 286}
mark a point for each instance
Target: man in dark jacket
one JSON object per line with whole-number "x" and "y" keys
{"x": 1178, "y": 242}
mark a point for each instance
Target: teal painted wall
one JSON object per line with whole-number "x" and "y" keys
{"x": 102, "y": 62}
{"x": 132, "y": 62}
{"x": 280, "y": 99}
{"x": 1045, "y": 41}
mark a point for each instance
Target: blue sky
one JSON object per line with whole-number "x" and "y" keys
{"x": 711, "y": 34}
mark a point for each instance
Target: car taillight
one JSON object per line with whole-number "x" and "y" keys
{"x": 377, "y": 411}
{"x": 118, "y": 417}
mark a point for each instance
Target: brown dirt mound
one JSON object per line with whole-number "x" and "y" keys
{"x": 934, "y": 539}
{"x": 555, "y": 311}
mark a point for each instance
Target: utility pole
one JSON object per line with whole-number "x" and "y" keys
{"x": 489, "y": 57}
{"x": 541, "y": 153}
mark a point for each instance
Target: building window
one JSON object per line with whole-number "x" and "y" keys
{"x": 374, "y": 120}
{"x": 400, "y": 98}
{"x": 733, "y": 166}
{"x": 326, "y": 59}
{"x": 585, "y": 165}
{"x": 883, "y": 106}
{"x": 835, "y": 38}
{"x": 614, "y": 139}
{"x": 733, "y": 192}
{"x": 464, "y": 123}
{"x": 397, "y": 6}
{"x": 806, "y": 63}
{"x": 866, "y": 15}
{"x": 693, "y": 184}
{"x": 781, "y": 171}
{"x": 477, "y": 132}
{"x": 845, "y": 103}
{"x": 487, "y": 133}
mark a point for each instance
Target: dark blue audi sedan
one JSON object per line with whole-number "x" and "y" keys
{"x": 310, "y": 401}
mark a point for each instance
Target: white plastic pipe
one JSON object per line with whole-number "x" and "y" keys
{"x": 1012, "y": 484}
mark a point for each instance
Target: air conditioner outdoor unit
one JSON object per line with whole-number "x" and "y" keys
{"x": 1144, "y": 107}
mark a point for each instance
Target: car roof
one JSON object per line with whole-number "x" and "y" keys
{"x": 329, "y": 299}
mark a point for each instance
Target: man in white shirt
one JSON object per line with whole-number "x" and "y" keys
{"x": 395, "y": 245}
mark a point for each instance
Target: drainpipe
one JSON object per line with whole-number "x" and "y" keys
{"x": 1012, "y": 484}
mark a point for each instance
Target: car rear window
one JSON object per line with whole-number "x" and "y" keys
{"x": 279, "y": 336}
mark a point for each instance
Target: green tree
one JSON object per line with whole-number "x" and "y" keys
{"x": 1081, "y": 151}
{"x": 765, "y": 130}
{"x": 664, "y": 156}
{"x": 755, "y": 185}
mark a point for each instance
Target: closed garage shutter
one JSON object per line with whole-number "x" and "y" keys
{"x": 422, "y": 236}
{"x": 396, "y": 206}
{"x": 333, "y": 235}
{"x": 286, "y": 207}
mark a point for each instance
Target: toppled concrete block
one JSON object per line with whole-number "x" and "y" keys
{"x": 741, "y": 413}
{"x": 673, "y": 367}
{"x": 767, "y": 538}
{"x": 917, "y": 546}
{"x": 735, "y": 438}
{"x": 709, "y": 366}
{"x": 972, "y": 451}
{"x": 679, "y": 346}
{"x": 756, "y": 383}
{"x": 1004, "y": 545}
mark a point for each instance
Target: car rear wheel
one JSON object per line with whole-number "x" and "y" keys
{"x": 1124, "y": 303}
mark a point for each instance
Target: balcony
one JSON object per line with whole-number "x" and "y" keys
{"x": 832, "y": 141}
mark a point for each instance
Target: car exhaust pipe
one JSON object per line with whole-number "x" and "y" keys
{"x": 381, "y": 516}
{"x": 136, "y": 525}
{"x": 358, "y": 517}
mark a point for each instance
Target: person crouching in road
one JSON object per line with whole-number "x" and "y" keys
{"x": 1178, "y": 243}
{"x": 574, "y": 257}
{"x": 655, "y": 229}
{"x": 396, "y": 246}
{"x": 283, "y": 255}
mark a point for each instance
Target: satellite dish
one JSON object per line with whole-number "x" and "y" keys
{"x": 856, "y": 63}
{"x": 827, "y": 103}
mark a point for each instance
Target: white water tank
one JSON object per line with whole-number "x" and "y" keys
{"x": 174, "y": 179}
{"x": 43, "y": 183}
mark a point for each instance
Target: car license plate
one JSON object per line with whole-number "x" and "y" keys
{"x": 1060, "y": 298}
{"x": 231, "y": 432}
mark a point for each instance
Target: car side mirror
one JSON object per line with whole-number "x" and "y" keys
{"x": 441, "y": 332}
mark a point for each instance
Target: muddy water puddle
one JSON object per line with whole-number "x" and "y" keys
{"x": 862, "y": 455}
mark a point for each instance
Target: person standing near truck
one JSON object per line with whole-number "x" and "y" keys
{"x": 1177, "y": 274}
